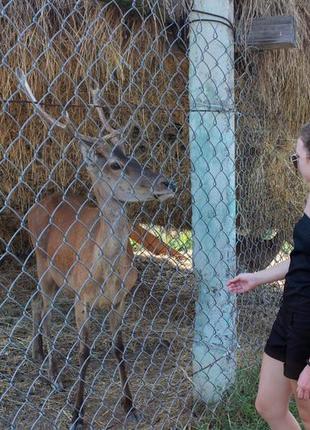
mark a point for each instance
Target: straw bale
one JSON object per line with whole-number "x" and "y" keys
{"x": 164, "y": 9}
{"x": 144, "y": 83}
{"x": 143, "y": 87}
{"x": 275, "y": 96}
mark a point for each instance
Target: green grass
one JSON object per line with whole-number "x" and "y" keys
{"x": 178, "y": 240}
{"x": 182, "y": 240}
{"x": 237, "y": 411}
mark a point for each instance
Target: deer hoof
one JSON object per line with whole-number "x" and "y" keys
{"x": 134, "y": 416}
{"x": 38, "y": 357}
{"x": 77, "y": 424}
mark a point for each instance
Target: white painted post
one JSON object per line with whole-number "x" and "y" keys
{"x": 212, "y": 143}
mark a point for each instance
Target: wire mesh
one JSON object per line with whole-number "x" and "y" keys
{"x": 81, "y": 217}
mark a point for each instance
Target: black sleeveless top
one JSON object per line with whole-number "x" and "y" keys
{"x": 296, "y": 293}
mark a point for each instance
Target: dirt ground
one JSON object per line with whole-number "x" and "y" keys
{"x": 158, "y": 331}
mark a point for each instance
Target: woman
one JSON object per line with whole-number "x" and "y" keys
{"x": 285, "y": 367}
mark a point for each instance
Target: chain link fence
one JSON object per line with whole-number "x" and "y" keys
{"x": 107, "y": 142}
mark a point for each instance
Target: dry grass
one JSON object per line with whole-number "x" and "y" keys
{"x": 158, "y": 330}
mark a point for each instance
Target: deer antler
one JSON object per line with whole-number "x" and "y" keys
{"x": 66, "y": 125}
{"x": 95, "y": 91}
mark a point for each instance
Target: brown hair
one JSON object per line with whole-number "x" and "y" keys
{"x": 305, "y": 136}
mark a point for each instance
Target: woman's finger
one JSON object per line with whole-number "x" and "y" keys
{"x": 234, "y": 284}
{"x": 234, "y": 280}
{"x": 300, "y": 393}
{"x": 306, "y": 395}
{"x": 237, "y": 290}
{"x": 237, "y": 284}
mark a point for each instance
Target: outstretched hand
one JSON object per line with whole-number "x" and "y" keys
{"x": 243, "y": 283}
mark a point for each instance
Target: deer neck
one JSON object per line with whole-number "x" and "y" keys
{"x": 114, "y": 228}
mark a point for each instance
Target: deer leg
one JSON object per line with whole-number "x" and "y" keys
{"x": 44, "y": 283}
{"x": 115, "y": 318}
{"x": 37, "y": 343}
{"x": 53, "y": 374}
{"x": 82, "y": 322}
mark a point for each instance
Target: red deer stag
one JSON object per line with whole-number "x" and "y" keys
{"x": 86, "y": 250}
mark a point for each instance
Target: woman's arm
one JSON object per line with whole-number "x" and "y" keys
{"x": 247, "y": 281}
{"x": 274, "y": 273}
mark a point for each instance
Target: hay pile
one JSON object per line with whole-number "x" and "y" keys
{"x": 143, "y": 84}
{"x": 143, "y": 70}
{"x": 275, "y": 103}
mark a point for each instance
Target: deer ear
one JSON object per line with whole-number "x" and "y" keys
{"x": 88, "y": 152}
{"x": 121, "y": 146}
{"x": 113, "y": 143}
{"x": 107, "y": 145}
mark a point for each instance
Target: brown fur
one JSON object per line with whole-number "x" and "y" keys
{"x": 67, "y": 236}
{"x": 62, "y": 231}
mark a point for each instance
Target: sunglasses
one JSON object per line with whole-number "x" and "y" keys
{"x": 294, "y": 160}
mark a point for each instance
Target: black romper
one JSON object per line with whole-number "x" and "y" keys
{"x": 289, "y": 340}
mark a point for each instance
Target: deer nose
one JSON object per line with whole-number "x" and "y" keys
{"x": 170, "y": 185}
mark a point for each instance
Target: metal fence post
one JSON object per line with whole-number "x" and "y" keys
{"x": 212, "y": 146}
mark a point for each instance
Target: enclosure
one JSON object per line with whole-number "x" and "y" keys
{"x": 139, "y": 55}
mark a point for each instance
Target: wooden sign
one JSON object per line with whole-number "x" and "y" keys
{"x": 272, "y": 32}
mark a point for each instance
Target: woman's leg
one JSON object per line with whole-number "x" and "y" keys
{"x": 302, "y": 405}
{"x": 273, "y": 396}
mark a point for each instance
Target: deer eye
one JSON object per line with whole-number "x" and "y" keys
{"x": 115, "y": 165}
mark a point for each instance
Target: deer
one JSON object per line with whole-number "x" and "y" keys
{"x": 85, "y": 250}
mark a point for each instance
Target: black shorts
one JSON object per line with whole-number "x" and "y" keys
{"x": 289, "y": 341}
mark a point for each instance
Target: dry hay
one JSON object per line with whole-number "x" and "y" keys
{"x": 275, "y": 100}
{"x": 145, "y": 83}
{"x": 158, "y": 330}
{"x": 165, "y": 10}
